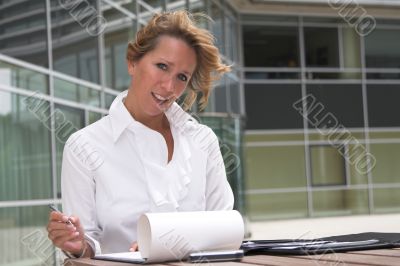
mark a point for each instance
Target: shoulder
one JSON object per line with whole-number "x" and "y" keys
{"x": 86, "y": 143}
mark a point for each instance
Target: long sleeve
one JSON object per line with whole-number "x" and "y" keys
{"x": 79, "y": 188}
{"x": 219, "y": 194}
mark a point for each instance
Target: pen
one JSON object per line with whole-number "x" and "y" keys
{"x": 54, "y": 208}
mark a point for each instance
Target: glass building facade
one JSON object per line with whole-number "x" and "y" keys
{"x": 307, "y": 119}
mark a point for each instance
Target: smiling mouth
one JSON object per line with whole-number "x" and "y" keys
{"x": 159, "y": 99}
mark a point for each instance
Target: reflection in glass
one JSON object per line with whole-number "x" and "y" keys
{"x": 15, "y": 76}
{"x": 321, "y": 45}
{"x": 383, "y": 105}
{"x": 25, "y": 160}
{"x": 74, "y": 119}
{"x": 23, "y": 31}
{"x": 77, "y": 93}
{"x": 234, "y": 93}
{"x": 382, "y": 48}
{"x": 232, "y": 45}
{"x": 93, "y": 117}
{"x": 74, "y": 46}
{"x": 217, "y": 27}
{"x": 266, "y": 46}
{"x": 344, "y": 101}
{"x": 24, "y": 237}
{"x": 109, "y": 98}
{"x": 221, "y": 104}
{"x": 116, "y": 44}
{"x": 270, "y": 106}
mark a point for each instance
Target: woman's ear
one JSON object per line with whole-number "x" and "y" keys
{"x": 131, "y": 66}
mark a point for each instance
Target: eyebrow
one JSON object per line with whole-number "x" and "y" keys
{"x": 173, "y": 64}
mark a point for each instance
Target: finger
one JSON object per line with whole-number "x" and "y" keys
{"x": 58, "y": 216}
{"x": 59, "y": 233}
{"x": 57, "y": 225}
{"x": 72, "y": 236}
{"x": 77, "y": 223}
{"x": 134, "y": 247}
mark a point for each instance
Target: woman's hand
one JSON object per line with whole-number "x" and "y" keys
{"x": 67, "y": 233}
{"x": 134, "y": 247}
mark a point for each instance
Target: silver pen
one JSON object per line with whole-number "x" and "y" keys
{"x": 54, "y": 208}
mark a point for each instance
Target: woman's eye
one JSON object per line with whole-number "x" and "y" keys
{"x": 182, "y": 77}
{"x": 162, "y": 66}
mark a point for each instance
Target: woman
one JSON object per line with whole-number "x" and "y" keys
{"x": 147, "y": 155}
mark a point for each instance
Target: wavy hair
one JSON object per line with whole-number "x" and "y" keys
{"x": 182, "y": 25}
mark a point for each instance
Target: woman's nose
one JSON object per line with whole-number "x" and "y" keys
{"x": 168, "y": 84}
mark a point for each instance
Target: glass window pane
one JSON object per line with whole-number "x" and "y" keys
{"x": 351, "y": 48}
{"x": 340, "y": 202}
{"x": 277, "y": 206}
{"x": 77, "y": 93}
{"x": 382, "y": 48}
{"x": 387, "y": 168}
{"x": 109, "y": 99}
{"x": 23, "y": 236}
{"x": 74, "y": 43}
{"x": 217, "y": 26}
{"x": 327, "y": 166}
{"x": 356, "y": 158}
{"x": 25, "y": 157}
{"x": 234, "y": 92}
{"x": 116, "y": 44}
{"x": 221, "y": 104}
{"x": 231, "y": 33}
{"x": 344, "y": 101}
{"x": 383, "y": 105}
{"x": 275, "y": 167}
{"x": 387, "y": 200}
{"x": 15, "y": 76}
{"x": 23, "y": 31}
{"x": 269, "y": 106}
{"x": 93, "y": 117}
{"x": 267, "y": 46}
{"x": 72, "y": 120}
{"x": 321, "y": 46}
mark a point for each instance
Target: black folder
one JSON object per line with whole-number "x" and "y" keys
{"x": 340, "y": 243}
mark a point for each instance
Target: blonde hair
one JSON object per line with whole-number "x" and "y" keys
{"x": 181, "y": 24}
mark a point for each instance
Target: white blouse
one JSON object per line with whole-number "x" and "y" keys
{"x": 116, "y": 169}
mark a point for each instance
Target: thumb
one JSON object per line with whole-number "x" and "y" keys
{"x": 134, "y": 247}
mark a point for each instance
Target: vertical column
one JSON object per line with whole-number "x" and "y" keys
{"x": 51, "y": 93}
{"x": 101, "y": 58}
{"x": 305, "y": 123}
{"x": 366, "y": 123}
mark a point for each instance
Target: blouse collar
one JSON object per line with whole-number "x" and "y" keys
{"x": 121, "y": 119}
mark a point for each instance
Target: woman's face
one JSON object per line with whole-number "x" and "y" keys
{"x": 161, "y": 75}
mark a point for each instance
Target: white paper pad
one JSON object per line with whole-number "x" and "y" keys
{"x": 173, "y": 236}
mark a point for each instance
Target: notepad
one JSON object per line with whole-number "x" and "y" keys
{"x": 131, "y": 257}
{"x": 173, "y": 236}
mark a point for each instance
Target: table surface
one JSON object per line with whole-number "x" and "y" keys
{"x": 384, "y": 257}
